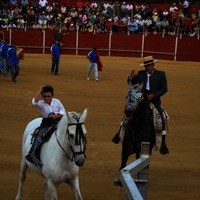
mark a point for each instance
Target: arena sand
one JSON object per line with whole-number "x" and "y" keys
{"x": 174, "y": 176}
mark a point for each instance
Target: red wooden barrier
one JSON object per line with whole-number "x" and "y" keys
{"x": 116, "y": 44}
{"x": 188, "y": 49}
{"x": 162, "y": 46}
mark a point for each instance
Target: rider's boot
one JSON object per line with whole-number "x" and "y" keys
{"x": 31, "y": 157}
{"x": 164, "y": 149}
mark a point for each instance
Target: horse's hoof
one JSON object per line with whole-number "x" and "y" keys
{"x": 117, "y": 182}
{"x": 116, "y": 139}
{"x": 164, "y": 149}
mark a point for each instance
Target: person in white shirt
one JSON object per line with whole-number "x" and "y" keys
{"x": 52, "y": 110}
{"x": 165, "y": 13}
{"x": 94, "y": 4}
{"x": 173, "y": 8}
{"x": 47, "y": 104}
{"x": 186, "y": 5}
{"x": 43, "y": 4}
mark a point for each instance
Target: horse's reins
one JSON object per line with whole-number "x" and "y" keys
{"x": 81, "y": 134}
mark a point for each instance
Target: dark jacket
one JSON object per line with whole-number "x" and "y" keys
{"x": 158, "y": 83}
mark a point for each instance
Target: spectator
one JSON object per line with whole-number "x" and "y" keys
{"x": 158, "y": 25}
{"x": 138, "y": 15}
{"x": 148, "y": 24}
{"x": 186, "y": 5}
{"x": 165, "y": 13}
{"x": 12, "y": 25}
{"x": 188, "y": 25}
{"x": 196, "y": 30}
{"x": 198, "y": 14}
{"x": 115, "y": 18}
{"x": 20, "y": 23}
{"x": 100, "y": 23}
{"x": 94, "y": 5}
{"x": 36, "y": 26}
{"x": 173, "y": 8}
{"x": 13, "y": 3}
{"x": 17, "y": 11}
{"x": 141, "y": 24}
{"x": 30, "y": 16}
{"x": 95, "y": 14}
{"x": 129, "y": 8}
{"x": 165, "y": 25}
{"x": 175, "y": 15}
{"x": 177, "y": 26}
{"x": 117, "y": 8}
{"x": 24, "y": 4}
{"x": 123, "y": 9}
{"x": 49, "y": 8}
{"x": 43, "y": 4}
{"x": 84, "y": 20}
{"x": 108, "y": 7}
{"x": 63, "y": 9}
{"x": 154, "y": 18}
{"x": 67, "y": 21}
{"x": 79, "y": 5}
{"x": 35, "y": 4}
{"x": 132, "y": 26}
{"x": 122, "y": 27}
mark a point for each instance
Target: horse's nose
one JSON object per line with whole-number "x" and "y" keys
{"x": 80, "y": 161}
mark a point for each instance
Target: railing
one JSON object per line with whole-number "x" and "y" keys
{"x": 134, "y": 177}
{"x": 163, "y": 46}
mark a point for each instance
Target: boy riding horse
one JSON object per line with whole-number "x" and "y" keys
{"x": 52, "y": 111}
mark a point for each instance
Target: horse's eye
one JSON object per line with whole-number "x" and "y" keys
{"x": 71, "y": 136}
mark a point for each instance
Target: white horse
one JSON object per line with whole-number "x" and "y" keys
{"x": 61, "y": 156}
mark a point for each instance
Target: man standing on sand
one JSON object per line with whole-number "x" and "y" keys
{"x": 93, "y": 59}
{"x": 55, "y": 56}
{"x": 13, "y": 62}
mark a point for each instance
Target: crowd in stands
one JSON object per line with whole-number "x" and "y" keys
{"x": 100, "y": 16}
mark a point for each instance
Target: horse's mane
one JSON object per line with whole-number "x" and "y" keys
{"x": 63, "y": 122}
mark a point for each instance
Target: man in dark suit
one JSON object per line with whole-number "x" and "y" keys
{"x": 154, "y": 85}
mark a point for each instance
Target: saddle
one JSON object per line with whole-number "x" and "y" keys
{"x": 45, "y": 131}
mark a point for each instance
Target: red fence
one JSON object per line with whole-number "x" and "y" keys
{"x": 110, "y": 44}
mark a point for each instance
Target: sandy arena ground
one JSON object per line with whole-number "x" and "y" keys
{"x": 172, "y": 177}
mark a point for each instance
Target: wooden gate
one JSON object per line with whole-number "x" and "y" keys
{"x": 134, "y": 177}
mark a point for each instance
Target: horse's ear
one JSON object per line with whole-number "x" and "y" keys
{"x": 84, "y": 115}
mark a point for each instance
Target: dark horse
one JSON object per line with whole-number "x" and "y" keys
{"x": 140, "y": 127}
{"x": 137, "y": 127}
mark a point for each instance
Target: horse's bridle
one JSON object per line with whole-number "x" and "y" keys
{"x": 78, "y": 136}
